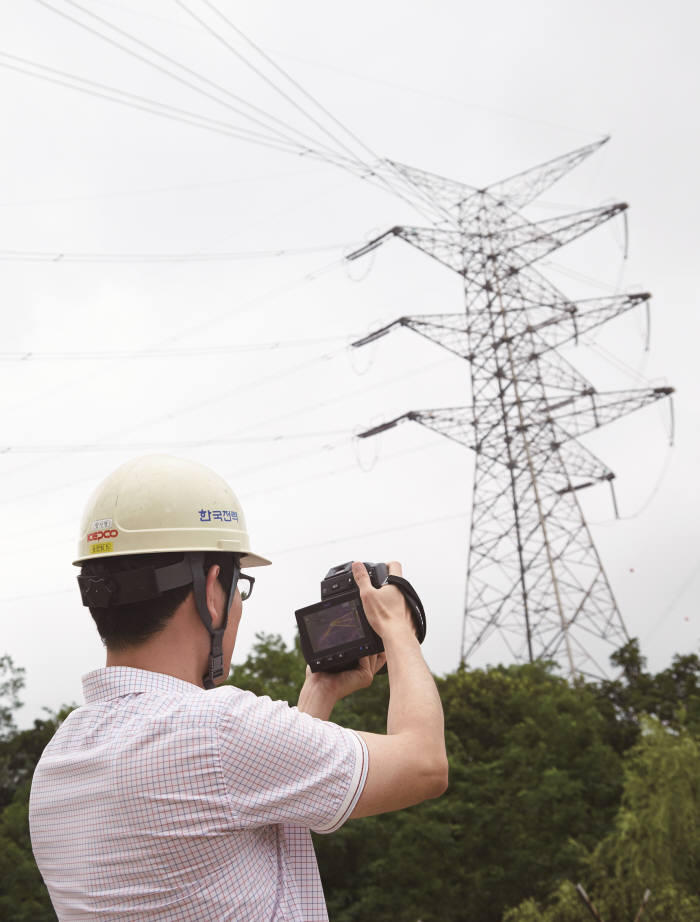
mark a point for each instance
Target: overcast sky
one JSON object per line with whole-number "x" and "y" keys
{"x": 128, "y": 232}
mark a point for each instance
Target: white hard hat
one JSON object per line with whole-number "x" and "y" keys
{"x": 159, "y": 504}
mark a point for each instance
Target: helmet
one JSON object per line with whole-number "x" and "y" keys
{"x": 157, "y": 504}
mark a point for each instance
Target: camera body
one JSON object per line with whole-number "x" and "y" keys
{"x": 334, "y": 633}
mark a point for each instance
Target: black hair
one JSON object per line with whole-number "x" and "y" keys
{"x": 124, "y": 626}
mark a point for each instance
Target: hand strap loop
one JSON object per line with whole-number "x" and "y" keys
{"x": 414, "y": 604}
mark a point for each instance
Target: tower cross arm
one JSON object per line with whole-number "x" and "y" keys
{"x": 526, "y": 186}
{"x": 568, "y": 320}
{"x": 508, "y": 248}
{"x": 455, "y": 423}
{"x": 577, "y": 414}
{"x": 575, "y": 467}
{"x": 530, "y": 241}
{"x": 372, "y": 244}
{"x": 451, "y": 331}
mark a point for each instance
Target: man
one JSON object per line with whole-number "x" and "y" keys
{"x": 167, "y": 798}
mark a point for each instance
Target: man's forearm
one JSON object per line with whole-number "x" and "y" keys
{"x": 316, "y": 698}
{"x": 414, "y": 702}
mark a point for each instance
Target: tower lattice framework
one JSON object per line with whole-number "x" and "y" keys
{"x": 533, "y": 574}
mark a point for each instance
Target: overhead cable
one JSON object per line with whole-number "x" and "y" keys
{"x": 405, "y": 526}
{"x": 142, "y": 103}
{"x": 155, "y": 190}
{"x": 262, "y": 75}
{"x": 207, "y": 256}
{"x": 430, "y": 445}
{"x": 166, "y": 445}
{"x": 373, "y": 176}
{"x": 193, "y": 352}
{"x": 152, "y": 50}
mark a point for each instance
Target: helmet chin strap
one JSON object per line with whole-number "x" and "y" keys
{"x": 199, "y": 585}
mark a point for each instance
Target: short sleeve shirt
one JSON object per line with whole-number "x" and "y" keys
{"x": 158, "y": 800}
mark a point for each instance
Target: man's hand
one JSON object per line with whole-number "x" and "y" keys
{"x": 321, "y": 690}
{"x": 386, "y": 607}
{"x": 388, "y": 613}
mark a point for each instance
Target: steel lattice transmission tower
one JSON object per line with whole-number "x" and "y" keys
{"x": 534, "y": 574}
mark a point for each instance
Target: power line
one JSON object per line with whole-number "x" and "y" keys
{"x": 248, "y": 305}
{"x": 282, "y": 136}
{"x": 256, "y": 300}
{"x": 192, "y": 72}
{"x": 260, "y": 74}
{"x": 293, "y": 82}
{"x": 687, "y": 583}
{"x": 421, "y": 91}
{"x": 266, "y": 490}
{"x": 157, "y": 190}
{"x": 234, "y": 439}
{"x": 372, "y": 173}
{"x": 347, "y": 160}
{"x": 405, "y": 526}
{"x": 288, "y": 550}
{"x": 334, "y": 472}
{"x": 377, "y": 177}
{"x": 231, "y": 438}
{"x": 141, "y": 103}
{"x": 193, "y": 352}
{"x": 213, "y": 256}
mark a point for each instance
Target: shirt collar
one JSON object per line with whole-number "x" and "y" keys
{"x": 115, "y": 681}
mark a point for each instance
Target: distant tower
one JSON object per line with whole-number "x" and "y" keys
{"x": 533, "y": 573}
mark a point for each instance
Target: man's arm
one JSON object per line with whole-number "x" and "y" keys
{"x": 409, "y": 764}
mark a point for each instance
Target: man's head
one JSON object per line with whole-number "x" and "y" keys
{"x": 155, "y": 532}
{"x": 124, "y": 626}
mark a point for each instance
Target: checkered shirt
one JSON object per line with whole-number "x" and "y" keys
{"x": 157, "y": 800}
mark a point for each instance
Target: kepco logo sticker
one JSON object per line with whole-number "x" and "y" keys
{"x": 101, "y": 535}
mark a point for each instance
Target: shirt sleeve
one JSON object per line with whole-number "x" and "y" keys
{"x": 283, "y": 766}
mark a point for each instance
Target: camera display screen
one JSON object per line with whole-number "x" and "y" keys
{"x": 334, "y": 626}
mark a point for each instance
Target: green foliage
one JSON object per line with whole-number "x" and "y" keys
{"x": 20, "y": 752}
{"x": 11, "y": 684}
{"x": 529, "y": 770}
{"x": 23, "y": 896}
{"x": 655, "y": 842}
{"x": 271, "y": 669}
{"x": 549, "y": 785}
{"x": 535, "y": 798}
{"x": 673, "y": 696}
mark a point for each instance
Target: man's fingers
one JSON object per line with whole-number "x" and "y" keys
{"x": 361, "y": 576}
{"x": 395, "y": 568}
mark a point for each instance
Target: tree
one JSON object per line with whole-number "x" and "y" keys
{"x": 20, "y": 752}
{"x": 270, "y": 669}
{"x": 529, "y": 769}
{"x": 23, "y": 896}
{"x": 549, "y": 784}
{"x": 673, "y": 695}
{"x": 11, "y": 684}
{"x": 655, "y": 842}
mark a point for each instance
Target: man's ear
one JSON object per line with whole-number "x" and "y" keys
{"x": 214, "y": 593}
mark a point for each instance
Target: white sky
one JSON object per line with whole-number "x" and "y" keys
{"x": 474, "y": 92}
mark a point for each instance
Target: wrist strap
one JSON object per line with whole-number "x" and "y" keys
{"x": 414, "y": 604}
